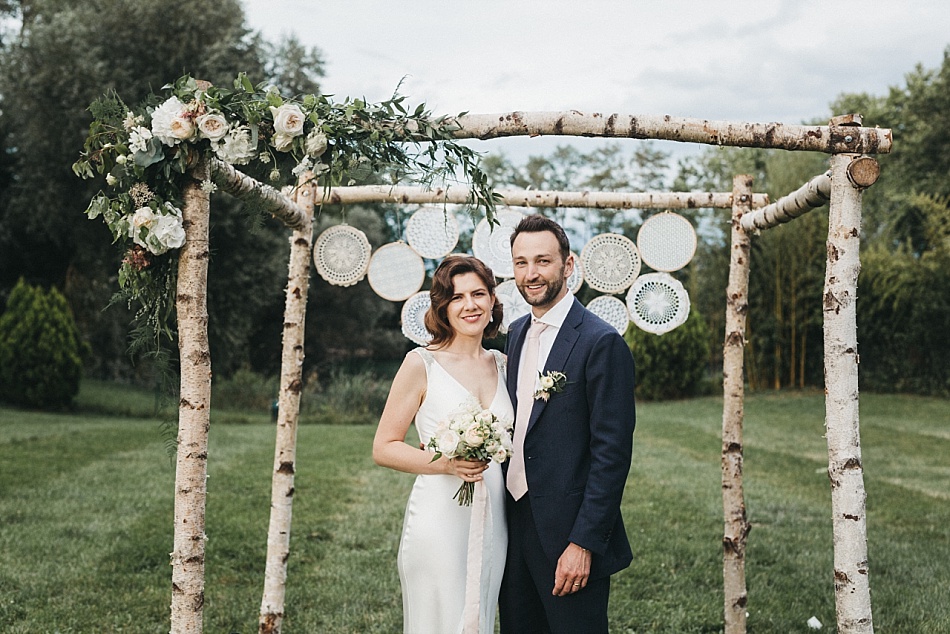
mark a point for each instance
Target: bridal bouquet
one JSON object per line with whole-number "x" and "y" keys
{"x": 472, "y": 433}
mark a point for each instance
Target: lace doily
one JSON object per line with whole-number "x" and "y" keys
{"x": 341, "y": 255}
{"x": 611, "y": 262}
{"x": 667, "y": 242}
{"x": 432, "y": 232}
{"x": 612, "y": 310}
{"x": 658, "y": 303}
{"x": 396, "y": 271}
{"x": 515, "y": 306}
{"x": 492, "y": 245}
{"x": 576, "y": 280}
{"x": 413, "y": 318}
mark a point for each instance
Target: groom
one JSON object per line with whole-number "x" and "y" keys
{"x": 573, "y": 443}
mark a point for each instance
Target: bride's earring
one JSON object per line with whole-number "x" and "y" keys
{"x": 491, "y": 314}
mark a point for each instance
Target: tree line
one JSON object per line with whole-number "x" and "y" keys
{"x": 57, "y": 56}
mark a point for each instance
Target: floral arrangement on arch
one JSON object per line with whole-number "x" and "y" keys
{"x": 145, "y": 154}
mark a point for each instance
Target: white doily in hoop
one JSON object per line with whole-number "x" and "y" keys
{"x": 611, "y": 262}
{"x": 658, "y": 303}
{"x": 432, "y": 232}
{"x": 515, "y": 306}
{"x": 413, "y": 318}
{"x": 341, "y": 255}
{"x": 396, "y": 271}
{"x": 576, "y": 280}
{"x": 492, "y": 245}
{"x": 612, "y": 310}
{"x": 667, "y": 242}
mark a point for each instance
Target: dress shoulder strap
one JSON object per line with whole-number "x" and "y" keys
{"x": 500, "y": 362}
{"x": 426, "y": 356}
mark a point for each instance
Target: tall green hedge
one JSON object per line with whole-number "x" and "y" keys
{"x": 671, "y": 365}
{"x": 40, "y": 362}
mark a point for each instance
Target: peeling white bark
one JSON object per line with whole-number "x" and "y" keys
{"x": 813, "y": 194}
{"x": 536, "y": 198}
{"x": 842, "y": 424}
{"x": 241, "y": 185}
{"x": 829, "y": 139}
{"x": 194, "y": 413}
{"x": 736, "y": 526}
{"x": 291, "y": 383}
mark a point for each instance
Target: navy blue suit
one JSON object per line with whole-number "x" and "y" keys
{"x": 577, "y": 451}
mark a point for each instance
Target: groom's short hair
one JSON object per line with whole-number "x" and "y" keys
{"x": 536, "y": 223}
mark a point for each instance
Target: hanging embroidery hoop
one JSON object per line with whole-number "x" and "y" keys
{"x": 612, "y": 310}
{"x": 413, "y": 318}
{"x": 341, "y": 255}
{"x": 576, "y": 280}
{"x": 667, "y": 242}
{"x": 515, "y": 305}
{"x": 396, "y": 271}
{"x": 611, "y": 262}
{"x": 492, "y": 245}
{"x": 658, "y": 303}
{"x": 432, "y": 232}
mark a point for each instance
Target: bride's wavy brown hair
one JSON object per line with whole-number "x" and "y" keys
{"x": 437, "y": 318}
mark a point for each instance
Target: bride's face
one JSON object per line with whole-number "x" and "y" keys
{"x": 469, "y": 310}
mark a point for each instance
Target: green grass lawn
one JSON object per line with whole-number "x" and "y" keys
{"x": 86, "y": 520}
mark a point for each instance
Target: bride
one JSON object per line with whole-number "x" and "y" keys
{"x": 451, "y": 557}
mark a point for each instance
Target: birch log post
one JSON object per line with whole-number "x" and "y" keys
{"x": 842, "y": 424}
{"x": 536, "y": 198}
{"x": 194, "y": 412}
{"x": 736, "y": 526}
{"x": 288, "y": 410}
{"x": 829, "y": 139}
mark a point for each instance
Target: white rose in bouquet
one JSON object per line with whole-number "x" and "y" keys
{"x": 474, "y": 436}
{"x": 448, "y": 441}
{"x": 500, "y": 455}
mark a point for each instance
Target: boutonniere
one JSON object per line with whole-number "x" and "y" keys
{"x": 551, "y": 383}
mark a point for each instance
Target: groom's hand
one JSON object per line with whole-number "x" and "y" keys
{"x": 573, "y": 570}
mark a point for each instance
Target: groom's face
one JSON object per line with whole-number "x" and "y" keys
{"x": 540, "y": 271}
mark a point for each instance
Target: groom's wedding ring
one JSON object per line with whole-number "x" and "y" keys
{"x": 577, "y": 584}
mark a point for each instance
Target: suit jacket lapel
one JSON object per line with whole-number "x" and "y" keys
{"x": 563, "y": 345}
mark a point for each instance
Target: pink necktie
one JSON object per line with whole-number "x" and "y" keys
{"x": 527, "y": 379}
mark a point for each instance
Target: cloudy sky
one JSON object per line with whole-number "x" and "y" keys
{"x": 740, "y": 60}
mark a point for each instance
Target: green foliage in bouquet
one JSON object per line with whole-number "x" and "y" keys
{"x": 672, "y": 365}
{"x": 40, "y": 361}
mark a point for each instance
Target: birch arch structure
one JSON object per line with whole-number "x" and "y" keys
{"x": 844, "y": 138}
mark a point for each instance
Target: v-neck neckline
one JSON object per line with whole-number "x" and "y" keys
{"x": 465, "y": 389}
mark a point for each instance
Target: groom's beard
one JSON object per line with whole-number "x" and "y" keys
{"x": 550, "y": 294}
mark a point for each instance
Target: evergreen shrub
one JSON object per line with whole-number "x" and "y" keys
{"x": 40, "y": 349}
{"x": 671, "y": 365}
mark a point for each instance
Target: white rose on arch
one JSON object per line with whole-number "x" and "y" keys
{"x": 212, "y": 126}
{"x": 168, "y": 234}
{"x": 288, "y": 123}
{"x": 142, "y": 218}
{"x": 171, "y": 122}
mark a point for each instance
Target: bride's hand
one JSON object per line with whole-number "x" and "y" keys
{"x": 468, "y": 470}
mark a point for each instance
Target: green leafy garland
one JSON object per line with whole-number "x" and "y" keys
{"x": 145, "y": 155}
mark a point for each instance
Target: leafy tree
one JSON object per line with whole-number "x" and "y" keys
{"x": 64, "y": 55}
{"x": 40, "y": 364}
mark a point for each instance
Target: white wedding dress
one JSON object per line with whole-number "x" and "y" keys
{"x": 434, "y": 555}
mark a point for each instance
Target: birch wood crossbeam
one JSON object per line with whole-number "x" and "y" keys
{"x": 832, "y": 139}
{"x": 243, "y": 186}
{"x": 813, "y": 194}
{"x": 537, "y": 198}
